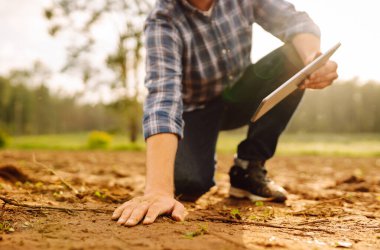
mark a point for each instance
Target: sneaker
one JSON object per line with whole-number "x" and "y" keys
{"x": 249, "y": 180}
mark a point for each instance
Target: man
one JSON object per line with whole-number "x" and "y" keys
{"x": 200, "y": 81}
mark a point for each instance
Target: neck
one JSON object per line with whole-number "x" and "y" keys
{"x": 203, "y": 5}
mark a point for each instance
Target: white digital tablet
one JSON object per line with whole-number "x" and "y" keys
{"x": 292, "y": 84}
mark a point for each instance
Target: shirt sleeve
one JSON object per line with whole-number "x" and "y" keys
{"x": 163, "y": 105}
{"x": 281, "y": 19}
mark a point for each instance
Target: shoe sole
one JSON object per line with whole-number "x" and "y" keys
{"x": 240, "y": 193}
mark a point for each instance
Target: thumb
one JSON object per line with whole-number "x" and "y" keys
{"x": 312, "y": 57}
{"x": 179, "y": 212}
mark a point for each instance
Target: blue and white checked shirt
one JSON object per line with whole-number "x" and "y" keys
{"x": 192, "y": 57}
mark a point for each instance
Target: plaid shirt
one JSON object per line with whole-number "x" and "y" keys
{"x": 192, "y": 57}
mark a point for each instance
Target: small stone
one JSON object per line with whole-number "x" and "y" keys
{"x": 343, "y": 244}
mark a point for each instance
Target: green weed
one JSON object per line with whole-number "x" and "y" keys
{"x": 6, "y": 227}
{"x": 202, "y": 229}
{"x": 99, "y": 140}
{"x": 4, "y": 139}
{"x": 264, "y": 214}
{"x": 259, "y": 203}
{"x": 235, "y": 213}
{"x": 100, "y": 195}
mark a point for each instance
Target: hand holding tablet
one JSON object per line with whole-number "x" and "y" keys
{"x": 292, "y": 84}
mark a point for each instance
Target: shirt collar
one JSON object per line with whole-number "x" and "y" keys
{"x": 193, "y": 9}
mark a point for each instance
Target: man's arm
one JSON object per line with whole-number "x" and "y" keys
{"x": 163, "y": 126}
{"x": 159, "y": 190}
{"x": 308, "y": 48}
{"x": 282, "y": 20}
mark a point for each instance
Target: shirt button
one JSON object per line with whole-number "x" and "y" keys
{"x": 224, "y": 51}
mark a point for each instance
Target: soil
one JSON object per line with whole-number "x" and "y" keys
{"x": 333, "y": 202}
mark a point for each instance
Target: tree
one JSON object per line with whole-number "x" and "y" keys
{"x": 81, "y": 20}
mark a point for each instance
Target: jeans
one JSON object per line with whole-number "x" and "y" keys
{"x": 195, "y": 158}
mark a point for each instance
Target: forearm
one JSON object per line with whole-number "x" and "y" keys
{"x": 307, "y": 45}
{"x": 161, "y": 151}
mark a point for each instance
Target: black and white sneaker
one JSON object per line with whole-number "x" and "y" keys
{"x": 249, "y": 180}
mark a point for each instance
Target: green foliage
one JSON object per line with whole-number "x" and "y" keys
{"x": 125, "y": 57}
{"x": 100, "y": 195}
{"x": 235, "y": 213}
{"x": 131, "y": 111}
{"x": 345, "y": 107}
{"x": 71, "y": 142}
{"x": 262, "y": 213}
{"x": 4, "y": 139}
{"x": 36, "y": 110}
{"x": 316, "y": 144}
{"x": 98, "y": 140}
{"x": 6, "y": 227}
{"x": 259, "y": 203}
{"x": 202, "y": 229}
{"x": 353, "y": 145}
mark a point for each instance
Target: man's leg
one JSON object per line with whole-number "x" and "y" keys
{"x": 248, "y": 175}
{"x": 243, "y": 99}
{"x": 194, "y": 164}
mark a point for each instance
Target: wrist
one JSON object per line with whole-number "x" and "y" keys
{"x": 159, "y": 191}
{"x": 307, "y": 46}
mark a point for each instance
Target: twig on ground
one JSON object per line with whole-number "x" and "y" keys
{"x": 316, "y": 205}
{"x": 240, "y": 222}
{"x": 52, "y": 171}
{"x": 3, "y": 210}
{"x": 62, "y": 209}
{"x": 313, "y": 222}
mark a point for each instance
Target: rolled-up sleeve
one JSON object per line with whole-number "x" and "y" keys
{"x": 163, "y": 105}
{"x": 281, "y": 19}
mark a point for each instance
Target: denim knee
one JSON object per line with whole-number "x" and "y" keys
{"x": 193, "y": 186}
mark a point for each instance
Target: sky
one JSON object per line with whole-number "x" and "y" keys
{"x": 24, "y": 38}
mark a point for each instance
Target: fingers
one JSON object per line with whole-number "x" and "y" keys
{"x": 328, "y": 77}
{"x": 153, "y": 212}
{"x": 321, "y": 82}
{"x": 126, "y": 214}
{"x": 328, "y": 68}
{"x": 137, "y": 215}
{"x": 321, "y": 78}
{"x": 179, "y": 212}
{"x": 118, "y": 211}
{"x": 150, "y": 207}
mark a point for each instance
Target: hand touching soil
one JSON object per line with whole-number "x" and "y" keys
{"x": 148, "y": 207}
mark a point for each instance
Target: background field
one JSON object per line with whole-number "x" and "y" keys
{"x": 290, "y": 144}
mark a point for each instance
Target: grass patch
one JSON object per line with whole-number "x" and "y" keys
{"x": 202, "y": 230}
{"x": 77, "y": 141}
{"x": 350, "y": 145}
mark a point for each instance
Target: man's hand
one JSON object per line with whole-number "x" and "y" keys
{"x": 148, "y": 207}
{"x": 308, "y": 48}
{"x": 158, "y": 198}
{"x": 322, "y": 77}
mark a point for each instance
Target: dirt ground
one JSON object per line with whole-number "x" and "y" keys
{"x": 64, "y": 200}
